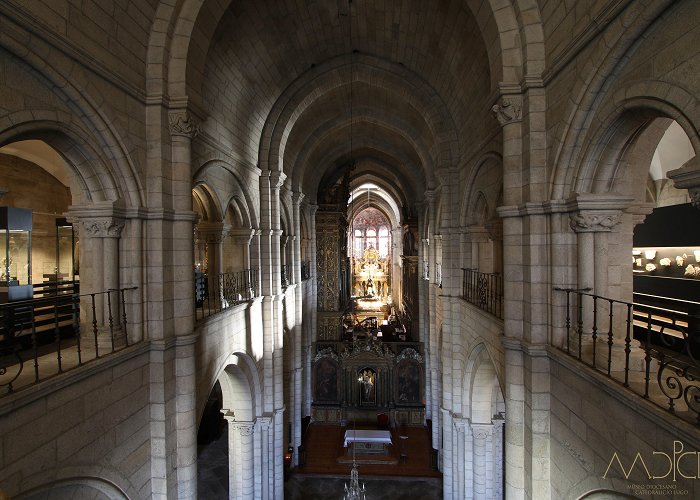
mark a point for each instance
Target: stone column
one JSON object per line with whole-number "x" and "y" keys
{"x": 242, "y": 238}
{"x": 105, "y": 233}
{"x": 592, "y": 227}
{"x": 241, "y": 458}
{"x": 498, "y": 424}
{"x": 297, "y": 332}
{"x": 483, "y": 460}
{"x": 461, "y": 488}
{"x": 262, "y": 474}
{"x": 183, "y": 128}
{"x": 214, "y": 234}
{"x": 447, "y": 455}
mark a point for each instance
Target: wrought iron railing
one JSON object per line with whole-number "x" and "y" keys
{"x": 47, "y": 332}
{"x": 484, "y": 290}
{"x": 305, "y": 270}
{"x": 214, "y": 294}
{"x": 602, "y": 333}
{"x": 284, "y": 275}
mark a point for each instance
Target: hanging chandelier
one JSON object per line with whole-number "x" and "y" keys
{"x": 354, "y": 491}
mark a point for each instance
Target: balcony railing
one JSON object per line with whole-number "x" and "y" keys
{"x": 284, "y": 276}
{"x": 484, "y": 290}
{"x": 46, "y": 332}
{"x": 226, "y": 290}
{"x": 305, "y": 270}
{"x": 602, "y": 333}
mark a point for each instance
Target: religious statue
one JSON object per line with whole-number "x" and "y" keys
{"x": 367, "y": 378}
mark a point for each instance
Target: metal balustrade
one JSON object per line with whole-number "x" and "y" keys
{"x": 285, "y": 277}
{"x": 602, "y": 333}
{"x": 47, "y": 332}
{"x": 305, "y": 270}
{"x": 223, "y": 291}
{"x": 484, "y": 290}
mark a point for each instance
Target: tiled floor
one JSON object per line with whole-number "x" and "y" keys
{"x": 212, "y": 475}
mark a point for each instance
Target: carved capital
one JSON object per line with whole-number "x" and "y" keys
{"x": 688, "y": 177}
{"x": 243, "y": 428}
{"x": 461, "y": 424}
{"x": 695, "y": 197}
{"x": 589, "y": 222}
{"x": 297, "y": 198}
{"x": 182, "y": 123}
{"x": 264, "y": 423}
{"x": 103, "y": 228}
{"x": 276, "y": 179}
{"x": 212, "y": 232}
{"x": 509, "y": 110}
{"x": 482, "y": 431}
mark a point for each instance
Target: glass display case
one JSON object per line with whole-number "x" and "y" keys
{"x": 15, "y": 254}
{"x": 65, "y": 251}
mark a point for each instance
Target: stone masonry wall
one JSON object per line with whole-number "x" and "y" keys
{"x": 592, "y": 419}
{"x": 89, "y": 423}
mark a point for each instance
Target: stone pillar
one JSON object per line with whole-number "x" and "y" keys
{"x": 447, "y": 456}
{"x": 214, "y": 234}
{"x": 104, "y": 233}
{"x": 597, "y": 215}
{"x": 483, "y": 460}
{"x": 461, "y": 487}
{"x": 183, "y": 128}
{"x": 242, "y": 238}
{"x": 262, "y": 473}
{"x": 297, "y": 332}
{"x": 498, "y": 424}
{"x": 241, "y": 458}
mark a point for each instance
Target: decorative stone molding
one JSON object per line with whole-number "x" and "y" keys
{"x": 376, "y": 347}
{"x": 688, "y": 177}
{"x": 409, "y": 353}
{"x": 276, "y": 179}
{"x": 212, "y": 232}
{"x": 264, "y": 423}
{"x": 327, "y": 353}
{"x": 589, "y": 222}
{"x": 103, "y": 228}
{"x": 461, "y": 424}
{"x": 509, "y": 111}
{"x": 481, "y": 431}
{"x": 182, "y": 123}
{"x": 495, "y": 230}
{"x": 244, "y": 428}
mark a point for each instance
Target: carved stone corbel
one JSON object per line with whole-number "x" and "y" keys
{"x": 182, "y": 123}
{"x": 509, "y": 110}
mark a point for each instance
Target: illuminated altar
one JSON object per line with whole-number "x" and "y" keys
{"x": 371, "y": 279}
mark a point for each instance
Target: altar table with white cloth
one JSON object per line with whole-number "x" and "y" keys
{"x": 367, "y": 436}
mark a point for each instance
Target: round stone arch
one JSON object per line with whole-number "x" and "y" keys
{"x": 84, "y": 481}
{"x": 179, "y": 41}
{"x": 366, "y": 69}
{"x": 589, "y": 94}
{"x": 241, "y": 388}
{"x": 207, "y": 201}
{"x": 94, "y": 176}
{"x": 617, "y": 132}
{"x": 488, "y": 163}
{"x": 365, "y": 145}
